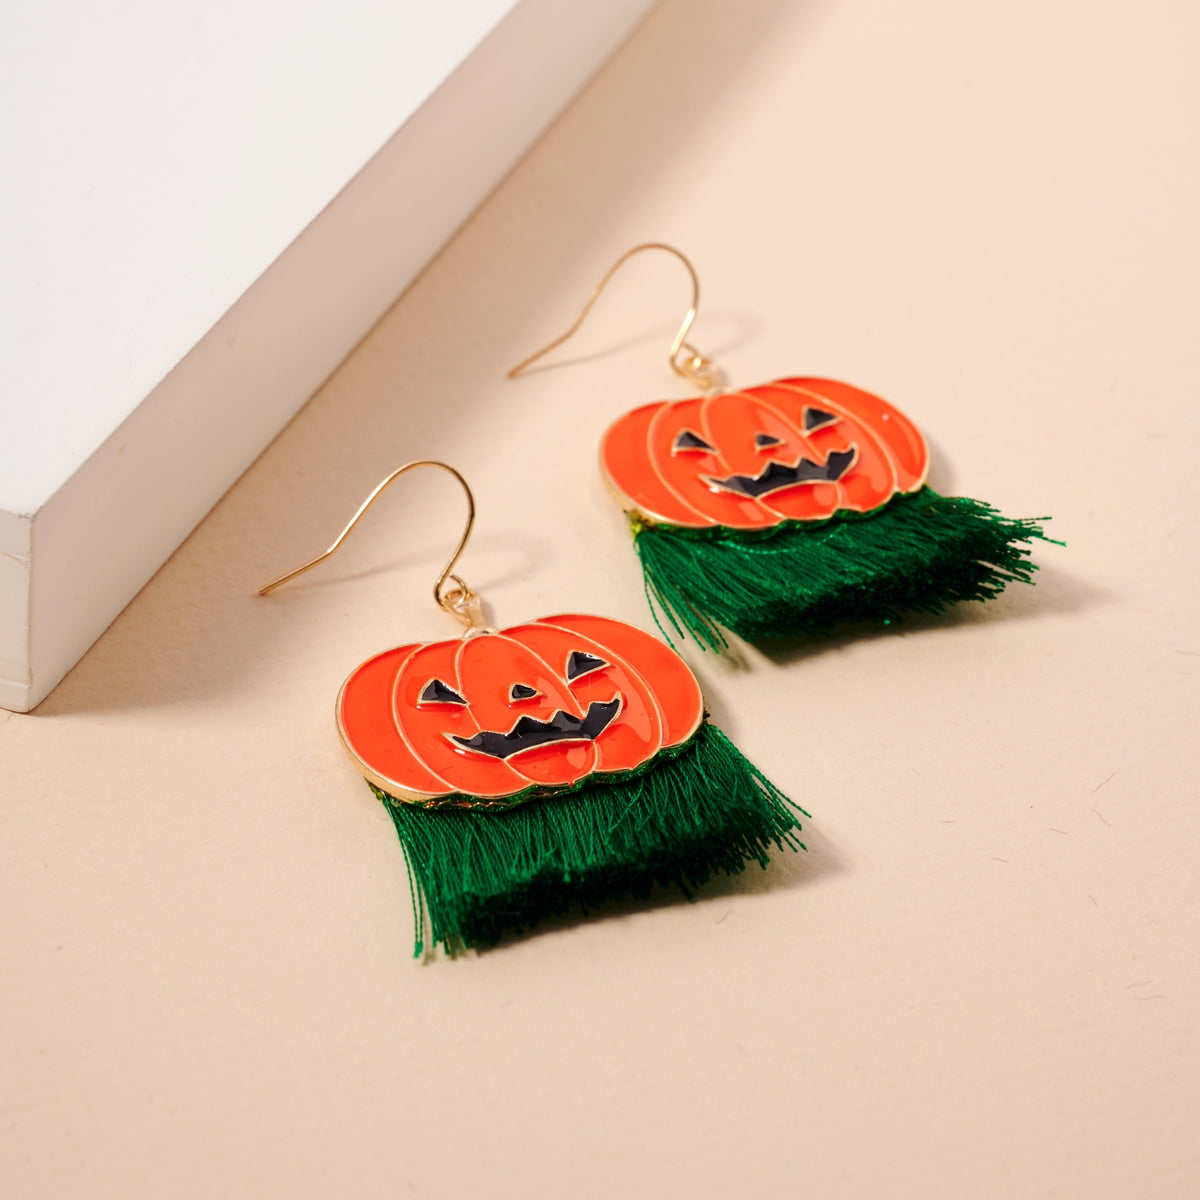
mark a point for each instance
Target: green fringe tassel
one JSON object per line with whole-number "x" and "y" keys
{"x": 476, "y": 874}
{"x": 918, "y": 553}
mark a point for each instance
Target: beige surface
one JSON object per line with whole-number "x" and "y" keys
{"x": 982, "y": 979}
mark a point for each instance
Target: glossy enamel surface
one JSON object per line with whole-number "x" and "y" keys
{"x": 606, "y": 697}
{"x": 796, "y": 449}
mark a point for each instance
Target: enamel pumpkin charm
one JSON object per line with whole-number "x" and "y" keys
{"x": 559, "y": 763}
{"x": 548, "y": 767}
{"x": 796, "y": 450}
{"x": 491, "y": 720}
{"x": 796, "y": 506}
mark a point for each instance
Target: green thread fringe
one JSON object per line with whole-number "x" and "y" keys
{"x": 918, "y": 553}
{"x": 477, "y": 875}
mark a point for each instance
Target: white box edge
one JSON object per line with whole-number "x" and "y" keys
{"x": 274, "y": 347}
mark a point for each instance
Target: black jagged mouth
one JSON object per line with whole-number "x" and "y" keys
{"x": 529, "y": 732}
{"x": 779, "y": 475}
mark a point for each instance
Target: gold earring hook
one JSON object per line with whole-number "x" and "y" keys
{"x": 459, "y": 600}
{"x": 695, "y": 367}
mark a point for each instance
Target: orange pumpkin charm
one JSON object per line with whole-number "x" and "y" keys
{"x": 793, "y": 450}
{"x": 595, "y": 723}
{"x": 523, "y": 711}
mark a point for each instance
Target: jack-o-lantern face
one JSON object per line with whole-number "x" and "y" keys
{"x": 538, "y": 706}
{"x": 796, "y": 449}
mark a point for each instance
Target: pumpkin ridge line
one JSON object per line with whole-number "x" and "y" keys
{"x": 345, "y": 734}
{"x": 502, "y": 633}
{"x": 666, "y": 406}
{"x": 651, "y": 691}
{"x": 865, "y": 432}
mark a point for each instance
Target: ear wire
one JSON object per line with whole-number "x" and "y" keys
{"x": 685, "y": 360}
{"x": 458, "y": 600}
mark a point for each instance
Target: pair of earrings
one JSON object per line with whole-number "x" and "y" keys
{"x": 569, "y": 761}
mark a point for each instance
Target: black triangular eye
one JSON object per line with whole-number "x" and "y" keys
{"x": 815, "y": 417}
{"x": 438, "y": 692}
{"x": 688, "y": 440}
{"x": 583, "y": 663}
{"x": 764, "y": 441}
{"x": 522, "y": 691}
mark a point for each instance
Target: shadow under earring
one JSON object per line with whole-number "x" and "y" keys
{"x": 560, "y": 763}
{"x": 792, "y": 507}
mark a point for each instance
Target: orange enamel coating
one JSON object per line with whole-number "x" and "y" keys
{"x": 905, "y": 445}
{"x": 487, "y": 668}
{"x": 425, "y": 727}
{"x": 636, "y": 733}
{"x": 686, "y": 471}
{"x": 652, "y": 476}
{"x": 364, "y": 714}
{"x": 730, "y": 416}
{"x": 402, "y": 742}
{"x": 668, "y": 678}
{"x": 625, "y": 440}
{"x": 870, "y": 481}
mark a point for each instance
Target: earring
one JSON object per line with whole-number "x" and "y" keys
{"x": 791, "y": 507}
{"x": 565, "y": 761}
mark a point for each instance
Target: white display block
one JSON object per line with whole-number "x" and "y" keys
{"x": 205, "y": 209}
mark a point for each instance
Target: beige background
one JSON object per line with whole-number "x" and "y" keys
{"x": 981, "y": 981}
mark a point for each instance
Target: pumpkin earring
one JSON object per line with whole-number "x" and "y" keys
{"x": 791, "y": 507}
{"x": 563, "y": 762}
